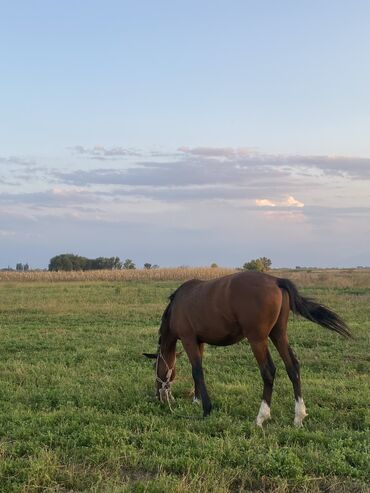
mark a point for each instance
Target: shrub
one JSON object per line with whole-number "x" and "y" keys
{"x": 261, "y": 264}
{"x": 128, "y": 264}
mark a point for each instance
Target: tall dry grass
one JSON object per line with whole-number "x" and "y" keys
{"x": 327, "y": 278}
{"x": 170, "y": 274}
{"x": 338, "y": 278}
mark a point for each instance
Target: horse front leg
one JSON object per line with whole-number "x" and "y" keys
{"x": 194, "y": 353}
{"x": 196, "y": 393}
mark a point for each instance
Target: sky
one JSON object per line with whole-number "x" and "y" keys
{"x": 185, "y": 132}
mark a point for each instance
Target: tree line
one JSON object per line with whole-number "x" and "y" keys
{"x": 69, "y": 262}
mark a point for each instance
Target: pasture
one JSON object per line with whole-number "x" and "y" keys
{"x": 77, "y": 407}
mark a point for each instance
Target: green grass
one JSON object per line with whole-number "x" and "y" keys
{"x": 77, "y": 407}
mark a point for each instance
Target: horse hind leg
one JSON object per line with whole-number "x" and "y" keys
{"x": 300, "y": 408}
{"x": 279, "y": 338}
{"x": 268, "y": 370}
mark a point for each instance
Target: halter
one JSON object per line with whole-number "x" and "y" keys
{"x": 165, "y": 390}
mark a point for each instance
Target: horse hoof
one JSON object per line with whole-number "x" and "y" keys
{"x": 206, "y": 413}
{"x": 264, "y": 414}
{"x": 196, "y": 400}
{"x": 300, "y": 413}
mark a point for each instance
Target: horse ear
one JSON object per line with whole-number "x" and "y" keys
{"x": 150, "y": 355}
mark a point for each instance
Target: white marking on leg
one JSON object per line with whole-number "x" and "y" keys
{"x": 300, "y": 412}
{"x": 196, "y": 400}
{"x": 263, "y": 414}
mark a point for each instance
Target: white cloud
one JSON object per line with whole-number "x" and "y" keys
{"x": 265, "y": 203}
{"x": 290, "y": 201}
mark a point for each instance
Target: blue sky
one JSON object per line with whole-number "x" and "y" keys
{"x": 185, "y": 132}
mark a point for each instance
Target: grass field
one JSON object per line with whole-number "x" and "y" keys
{"x": 77, "y": 411}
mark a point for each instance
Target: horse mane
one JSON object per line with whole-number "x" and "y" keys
{"x": 166, "y": 317}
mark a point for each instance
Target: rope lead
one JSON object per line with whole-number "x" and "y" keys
{"x": 165, "y": 394}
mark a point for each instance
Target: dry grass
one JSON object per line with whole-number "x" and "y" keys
{"x": 170, "y": 274}
{"x": 328, "y": 278}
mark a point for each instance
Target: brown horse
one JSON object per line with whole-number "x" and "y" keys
{"x": 246, "y": 305}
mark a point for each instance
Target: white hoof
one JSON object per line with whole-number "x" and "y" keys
{"x": 300, "y": 412}
{"x": 263, "y": 414}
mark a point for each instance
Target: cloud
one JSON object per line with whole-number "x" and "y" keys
{"x": 217, "y": 167}
{"x": 6, "y": 233}
{"x": 265, "y": 203}
{"x": 241, "y": 177}
{"x": 97, "y": 205}
{"x": 289, "y": 201}
{"x": 292, "y": 202}
{"x": 223, "y": 196}
{"x": 345, "y": 166}
{"x": 218, "y": 152}
{"x": 16, "y": 160}
{"x": 223, "y": 173}
{"x": 56, "y": 197}
{"x": 104, "y": 153}
{"x": 175, "y": 173}
{"x": 7, "y": 182}
{"x": 283, "y": 215}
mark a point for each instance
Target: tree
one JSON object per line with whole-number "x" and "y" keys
{"x": 128, "y": 264}
{"x": 261, "y": 264}
{"x": 214, "y": 265}
{"x": 117, "y": 264}
{"x": 147, "y": 266}
{"x": 26, "y": 267}
{"x": 266, "y": 262}
{"x": 61, "y": 262}
{"x": 19, "y": 267}
{"x": 69, "y": 261}
{"x": 102, "y": 263}
{"x": 65, "y": 263}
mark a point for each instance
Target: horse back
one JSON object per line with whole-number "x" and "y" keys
{"x": 225, "y": 310}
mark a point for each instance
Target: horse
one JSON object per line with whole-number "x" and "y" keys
{"x": 246, "y": 305}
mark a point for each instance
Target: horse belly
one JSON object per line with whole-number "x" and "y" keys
{"x": 220, "y": 335}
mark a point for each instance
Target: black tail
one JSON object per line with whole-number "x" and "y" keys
{"x": 313, "y": 311}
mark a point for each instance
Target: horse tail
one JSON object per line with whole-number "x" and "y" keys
{"x": 315, "y": 312}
